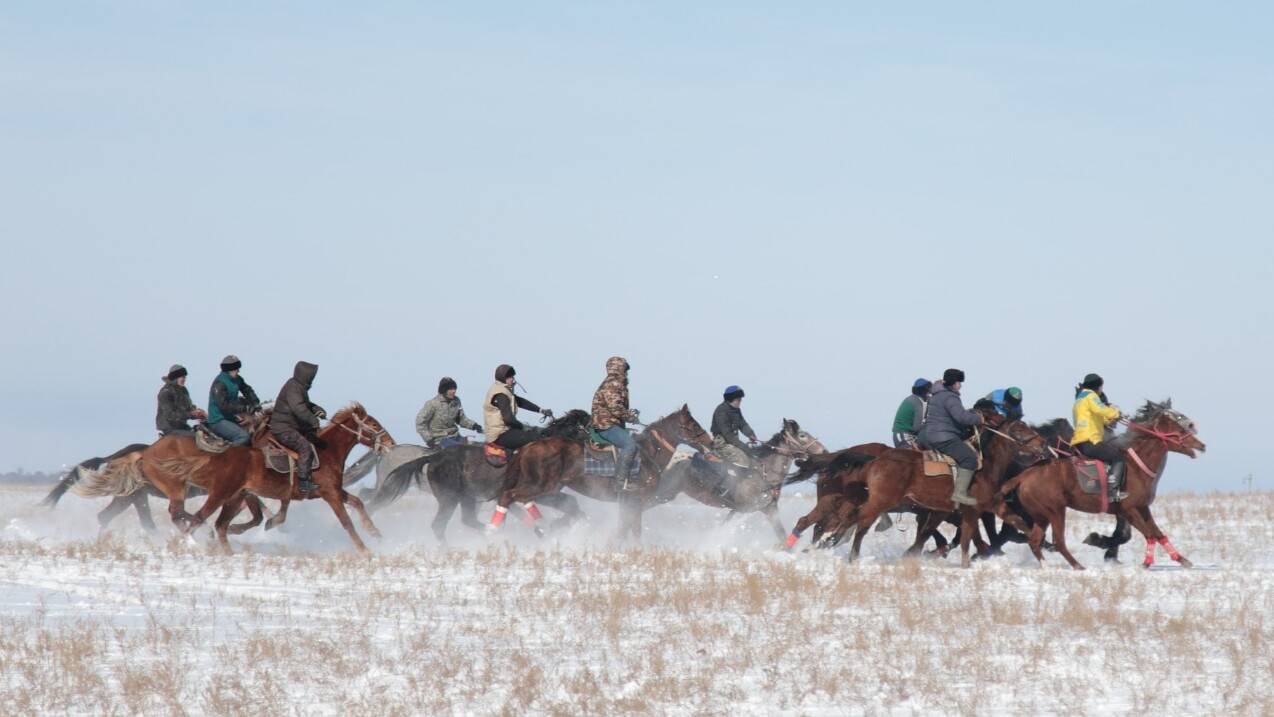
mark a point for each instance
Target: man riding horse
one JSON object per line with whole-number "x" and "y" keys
{"x": 1092, "y": 416}
{"x": 727, "y": 423}
{"x": 295, "y": 421}
{"x": 610, "y": 413}
{"x": 229, "y": 398}
{"x": 175, "y": 407}
{"x": 499, "y": 412}
{"x": 441, "y": 418}
{"x": 945, "y": 429}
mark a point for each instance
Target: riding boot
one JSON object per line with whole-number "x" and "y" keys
{"x": 960, "y": 495}
{"x": 623, "y": 467}
{"x": 1113, "y": 480}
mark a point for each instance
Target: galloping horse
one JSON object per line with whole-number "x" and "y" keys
{"x": 1047, "y": 490}
{"x": 897, "y": 477}
{"x": 174, "y": 461}
{"x": 545, "y": 467}
{"x": 461, "y": 476}
{"x": 753, "y": 491}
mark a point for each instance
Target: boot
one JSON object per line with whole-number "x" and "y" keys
{"x": 1112, "y": 482}
{"x": 960, "y": 495}
{"x": 623, "y": 466}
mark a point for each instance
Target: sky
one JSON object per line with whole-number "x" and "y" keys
{"x": 819, "y": 202}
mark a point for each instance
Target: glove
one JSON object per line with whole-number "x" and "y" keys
{"x": 546, "y": 412}
{"x": 477, "y": 429}
{"x": 319, "y": 443}
{"x": 320, "y": 413}
{"x": 636, "y": 415}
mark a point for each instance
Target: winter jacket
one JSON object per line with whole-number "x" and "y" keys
{"x": 1012, "y": 412}
{"x": 1091, "y": 415}
{"x": 727, "y": 422}
{"x": 610, "y": 401}
{"x": 947, "y": 419}
{"x": 911, "y": 415}
{"x": 230, "y": 397}
{"x": 442, "y": 417}
{"x": 292, "y": 409}
{"x": 499, "y": 410}
{"x": 174, "y": 409}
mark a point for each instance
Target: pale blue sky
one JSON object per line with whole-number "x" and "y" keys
{"x": 409, "y": 191}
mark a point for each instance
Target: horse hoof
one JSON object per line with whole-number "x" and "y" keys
{"x": 1184, "y": 562}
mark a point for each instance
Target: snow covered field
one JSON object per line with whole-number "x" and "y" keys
{"x": 705, "y": 619}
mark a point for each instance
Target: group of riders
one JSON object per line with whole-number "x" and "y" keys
{"x": 932, "y": 417}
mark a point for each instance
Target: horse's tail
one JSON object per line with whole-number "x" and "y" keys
{"x": 399, "y": 480}
{"x": 116, "y": 478}
{"x": 1011, "y": 485}
{"x": 73, "y": 476}
{"x": 361, "y": 468}
{"x": 832, "y": 463}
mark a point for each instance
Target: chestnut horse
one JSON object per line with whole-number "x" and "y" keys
{"x": 1047, "y": 490}
{"x": 753, "y": 491}
{"x": 897, "y": 477}
{"x": 548, "y": 465}
{"x": 838, "y": 490}
{"x": 173, "y": 462}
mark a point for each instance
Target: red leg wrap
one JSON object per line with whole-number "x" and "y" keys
{"x": 791, "y": 539}
{"x": 1172, "y": 552}
{"x": 498, "y": 517}
{"x": 533, "y": 511}
{"x": 1150, "y": 551}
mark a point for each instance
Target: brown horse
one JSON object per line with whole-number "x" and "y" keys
{"x": 897, "y": 477}
{"x": 548, "y": 465}
{"x": 1047, "y": 490}
{"x": 750, "y": 492}
{"x": 838, "y": 489}
{"x": 174, "y": 461}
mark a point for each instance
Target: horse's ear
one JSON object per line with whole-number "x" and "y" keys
{"x": 685, "y": 408}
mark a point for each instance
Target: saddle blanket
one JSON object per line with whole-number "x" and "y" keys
{"x": 280, "y": 459}
{"x": 602, "y": 463}
{"x": 209, "y": 442}
{"x": 1092, "y": 476}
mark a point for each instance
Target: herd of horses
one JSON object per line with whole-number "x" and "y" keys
{"x": 1028, "y": 480}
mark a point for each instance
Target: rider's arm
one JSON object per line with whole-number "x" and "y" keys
{"x": 501, "y": 402}
{"x": 464, "y": 421}
{"x": 425, "y": 415}
{"x": 526, "y": 405}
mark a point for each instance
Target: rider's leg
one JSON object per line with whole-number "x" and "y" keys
{"x": 231, "y": 431}
{"x": 305, "y": 456}
{"x": 966, "y": 463}
{"x": 1113, "y": 457}
{"x": 627, "y": 447}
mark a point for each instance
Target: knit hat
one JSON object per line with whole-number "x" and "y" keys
{"x": 446, "y": 384}
{"x": 231, "y": 363}
{"x": 1092, "y": 382}
{"x": 952, "y": 376}
{"x": 175, "y": 372}
{"x": 504, "y": 371}
{"x": 733, "y": 392}
{"x": 921, "y": 387}
{"x": 1013, "y": 395}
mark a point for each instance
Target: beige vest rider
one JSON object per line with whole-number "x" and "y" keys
{"x": 492, "y": 422}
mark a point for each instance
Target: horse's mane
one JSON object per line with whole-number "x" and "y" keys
{"x": 354, "y": 407}
{"x": 569, "y": 425}
{"x": 1055, "y": 430}
{"x": 1151, "y": 410}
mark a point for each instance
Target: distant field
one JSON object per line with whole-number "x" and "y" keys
{"x": 705, "y": 619}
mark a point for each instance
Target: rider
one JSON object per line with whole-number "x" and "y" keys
{"x": 441, "y": 418}
{"x": 727, "y": 422}
{"x": 611, "y": 411}
{"x": 1008, "y": 402}
{"x": 295, "y": 421}
{"x": 1092, "y": 414}
{"x": 228, "y": 398}
{"x": 499, "y": 412}
{"x": 911, "y": 414}
{"x": 944, "y": 431}
{"x": 175, "y": 406}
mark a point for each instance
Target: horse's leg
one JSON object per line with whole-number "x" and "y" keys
{"x": 822, "y": 510}
{"x": 469, "y": 512}
{"x": 228, "y": 512}
{"x": 333, "y": 496}
{"x": 771, "y": 513}
{"x": 258, "y": 514}
{"x": 1161, "y": 538}
{"x": 969, "y": 532}
{"x": 141, "y": 503}
{"x": 926, "y": 522}
{"x": 568, "y": 506}
{"x": 363, "y": 517}
{"x": 447, "y": 501}
{"x": 1058, "y": 524}
{"x": 993, "y": 535}
{"x": 117, "y": 505}
{"x": 729, "y": 517}
{"x": 867, "y": 515}
{"x": 1035, "y": 538}
{"x": 218, "y": 496}
{"x": 280, "y": 517}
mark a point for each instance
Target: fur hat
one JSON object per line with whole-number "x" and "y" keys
{"x": 952, "y": 376}
{"x": 175, "y": 372}
{"x": 446, "y": 384}
{"x": 230, "y": 363}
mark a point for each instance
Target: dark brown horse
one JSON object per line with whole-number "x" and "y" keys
{"x": 1047, "y": 490}
{"x": 461, "y": 476}
{"x": 175, "y": 461}
{"x": 547, "y": 466}
{"x": 749, "y": 492}
{"x": 838, "y": 490}
{"x": 897, "y": 478}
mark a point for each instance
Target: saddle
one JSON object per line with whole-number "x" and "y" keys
{"x": 209, "y": 442}
{"x": 1093, "y": 476}
{"x": 282, "y": 459}
{"x": 600, "y": 461}
{"x": 941, "y": 464}
{"x": 496, "y": 456}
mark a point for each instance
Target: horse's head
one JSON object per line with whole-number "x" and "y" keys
{"x": 796, "y": 441}
{"x": 1177, "y": 431}
{"x": 365, "y": 428}
{"x": 688, "y": 430}
{"x": 1029, "y": 446}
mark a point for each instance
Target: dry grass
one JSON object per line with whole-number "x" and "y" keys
{"x": 111, "y": 628}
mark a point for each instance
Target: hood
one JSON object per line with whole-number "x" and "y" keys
{"x": 941, "y": 388}
{"x": 617, "y": 366}
{"x": 504, "y": 371}
{"x": 305, "y": 373}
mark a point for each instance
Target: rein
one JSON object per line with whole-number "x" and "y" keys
{"x": 363, "y": 423}
{"x": 1175, "y": 438}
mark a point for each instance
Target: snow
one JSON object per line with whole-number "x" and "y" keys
{"x": 704, "y": 618}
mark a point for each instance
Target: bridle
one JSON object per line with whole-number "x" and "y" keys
{"x": 364, "y": 424}
{"x": 795, "y": 448}
{"x": 1176, "y": 439}
{"x": 1016, "y": 441}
